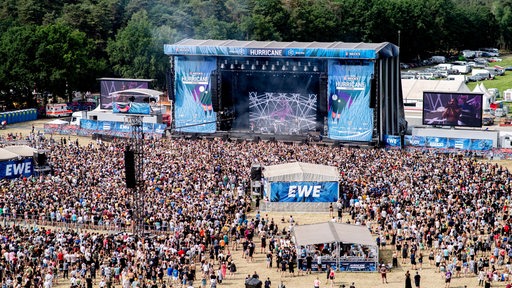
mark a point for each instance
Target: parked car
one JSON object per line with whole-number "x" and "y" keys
{"x": 488, "y": 121}
{"x": 478, "y": 77}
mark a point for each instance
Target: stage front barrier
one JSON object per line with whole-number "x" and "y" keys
{"x": 310, "y": 207}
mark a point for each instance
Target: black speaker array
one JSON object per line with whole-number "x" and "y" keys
{"x": 256, "y": 173}
{"x": 39, "y": 158}
{"x": 214, "y": 89}
{"x": 373, "y": 93}
{"x": 322, "y": 94}
{"x": 170, "y": 85}
{"x": 129, "y": 168}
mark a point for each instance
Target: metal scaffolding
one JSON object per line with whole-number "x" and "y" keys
{"x": 137, "y": 194}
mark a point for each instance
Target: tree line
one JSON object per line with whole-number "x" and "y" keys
{"x": 60, "y": 46}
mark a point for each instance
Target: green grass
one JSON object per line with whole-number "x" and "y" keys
{"x": 501, "y": 82}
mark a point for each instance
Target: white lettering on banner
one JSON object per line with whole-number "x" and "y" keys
{"x": 265, "y": 52}
{"x": 304, "y": 191}
{"x": 392, "y": 141}
{"x": 17, "y": 169}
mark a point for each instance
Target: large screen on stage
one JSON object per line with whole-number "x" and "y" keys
{"x": 109, "y": 86}
{"x": 452, "y": 109}
{"x": 350, "y": 116}
{"x": 273, "y": 102}
{"x": 193, "y": 110}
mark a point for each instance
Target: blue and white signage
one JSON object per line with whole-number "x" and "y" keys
{"x": 16, "y": 168}
{"x": 304, "y": 191}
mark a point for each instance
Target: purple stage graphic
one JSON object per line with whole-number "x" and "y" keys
{"x": 282, "y": 113}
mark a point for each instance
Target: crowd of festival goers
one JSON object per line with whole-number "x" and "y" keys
{"x": 75, "y": 224}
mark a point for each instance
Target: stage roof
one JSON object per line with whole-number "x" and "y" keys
{"x": 330, "y": 232}
{"x": 21, "y": 150}
{"x": 299, "y": 171}
{"x": 339, "y": 50}
{"x": 413, "y": 89}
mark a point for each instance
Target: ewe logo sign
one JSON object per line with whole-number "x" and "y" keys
{"x": 15, "y": 169}
{"x": 304, "y": 191}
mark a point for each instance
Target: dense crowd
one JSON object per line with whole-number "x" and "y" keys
{"x": 196, "y": 203}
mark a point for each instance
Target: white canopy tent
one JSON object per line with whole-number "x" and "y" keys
{"x": 7, "y": 155}
{"x": 339, "y": 235}
{"x": 299, "y": 171}
{"x": 332, "y": 232}
{"x": 21, "y": 150}
{"x": 58, "y": 122}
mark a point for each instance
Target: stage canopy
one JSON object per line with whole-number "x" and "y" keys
{"x": 147, "y": 95}
{"x": 299, "y": 171}
{"x": 21, "y": 150}
{"x": 7, "y": 155}
{"x": 332, "y": 232}
{"x": 340, "y": 50}
{"x": 287, "y": 88}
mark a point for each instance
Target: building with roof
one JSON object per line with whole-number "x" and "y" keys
{"x": 345, "y": 91}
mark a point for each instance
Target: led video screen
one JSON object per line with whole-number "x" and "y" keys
{"x": 452, "y": 109}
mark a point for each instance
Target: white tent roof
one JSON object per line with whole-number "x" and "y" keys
{"x": 413, "y": 89}
{"x": 330, "y": 232}
{"x": 140, "y": 92}
{"x": 299, "y": 171}
{"x": 21, "y": 150}
{"x": 58, "y": 122}
{"x": 7, "y": 155}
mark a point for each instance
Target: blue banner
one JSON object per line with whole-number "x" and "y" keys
{"x": 358, "y": 266}
{"x": 436, "y": 142}
{"x": 414, "y": 140}
{"x": 269, "y": 52}
{"x": 350, "y": 116}
{"x": 131, "y": 108}
{"x": 193, "y": 104}
{"x": 16, "y": 168}
{"x": 304, "y": 191}
{"x": 464, "y": 144}
{"x": 393, "y": 141}
{"x": 481, "y": 144}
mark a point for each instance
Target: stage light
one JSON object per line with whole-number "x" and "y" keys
{"x": 242, "y": 67}
{"x": 253, "y": 67}
{"x": 295, "y": 68}
{"x": 315, "y": 68}
{"x": 284, "y": 68}
{"x": 263, "y": 67}
{"x": 232, "y": 66}
{"x": 273, "y": 67}
{"x": 257, "y": 62}
{"x": 287, "y": 63}
{"x": 306, "y": 69}
{"x": 247, "y": 63}
{"x": 222, "y": 66}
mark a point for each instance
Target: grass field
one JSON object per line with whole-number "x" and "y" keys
{"x": 501, "y": 82}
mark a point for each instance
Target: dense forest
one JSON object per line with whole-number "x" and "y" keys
{"x": 60, "y": 46}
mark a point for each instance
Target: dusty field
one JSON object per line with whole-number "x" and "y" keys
{"x": 362, "y": 280}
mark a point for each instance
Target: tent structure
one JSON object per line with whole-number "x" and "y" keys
{"x": 7, "y": 155}
{"x": 16, "y": 161}
{"x": 21, "y": 150}
{"x": 413, "y": 89}
{"x": 58, "y": 122}
{"x": 300, "y": 171}
{"x": 487, "y": 96}
{"x": 352, "y": 247}
{"x": 301, "y": 182}
{"x": 139, "y": 93}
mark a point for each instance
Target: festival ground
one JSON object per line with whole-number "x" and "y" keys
{"x": 396, "y": 278}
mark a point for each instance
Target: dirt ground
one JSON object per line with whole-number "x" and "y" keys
{"x": 396, "y": 278}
